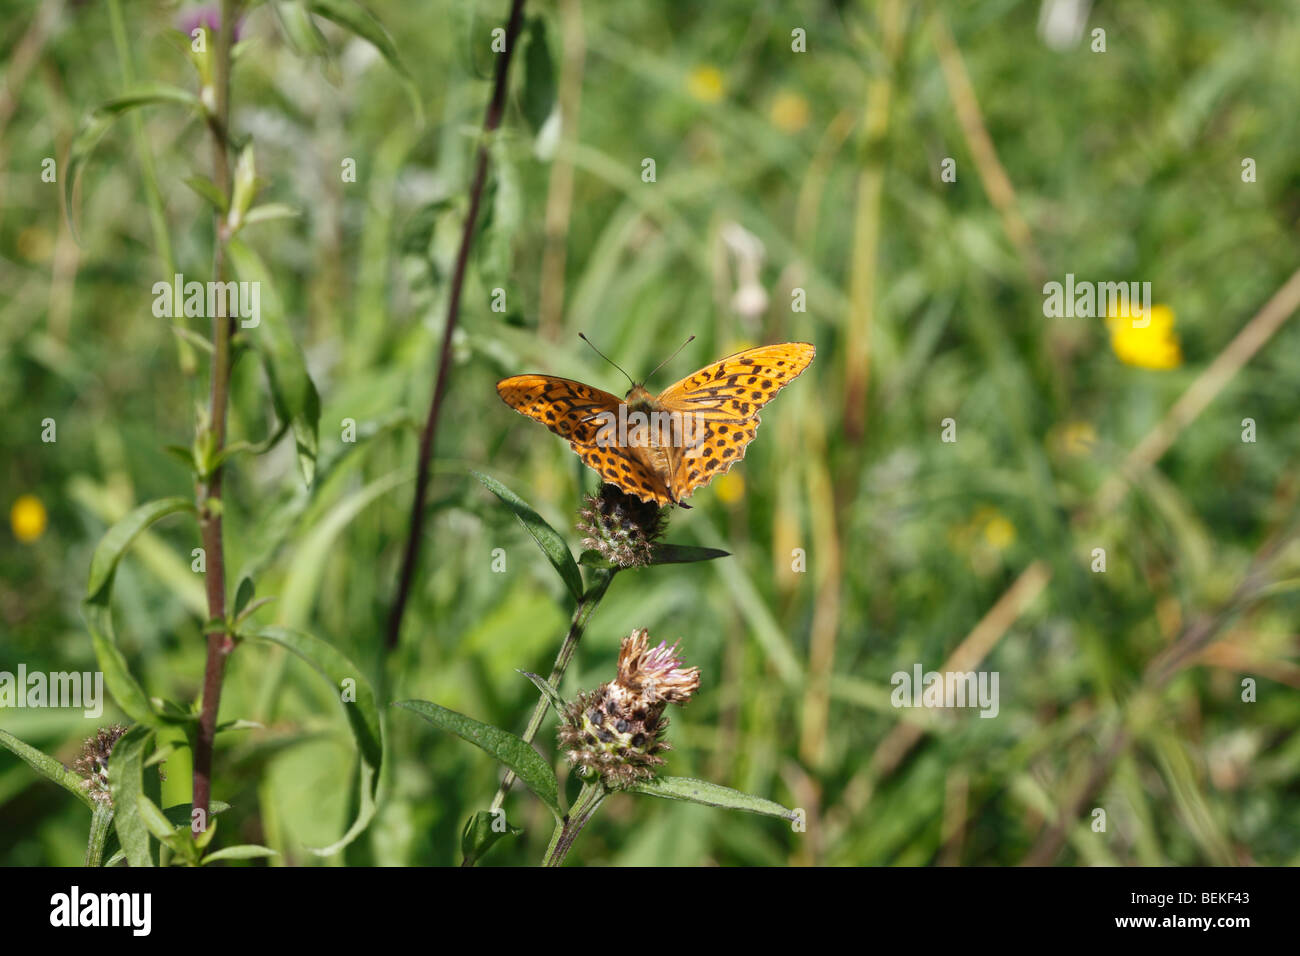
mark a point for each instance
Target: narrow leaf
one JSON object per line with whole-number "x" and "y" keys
{"x": 549, "y": 692}
{"x": 247, "y": 851}
{"x": 481, "y": 832}
{"x": 711, "y": 795}
{"x": 362, "y": 713}
{"x": 547, "y": 538}
{"x": 357, "y": 19}
{"x": 126, "y": 692}
{"x": 97, "y": 124}
{"x": 684, "y": 554}
{"x": 118, "y": 538}
{"x": 514, "y": 752}
{"x": 126, "y": 780}
{"x": 292, "y": 391}
{"x": 47, "y": 767}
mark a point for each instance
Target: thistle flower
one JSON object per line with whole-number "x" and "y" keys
{"x": 617, "y": 730}
{"x": 621, "y": 527}
{"x": 93, "y": 762}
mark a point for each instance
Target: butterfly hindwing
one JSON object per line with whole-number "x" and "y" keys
{"x": 721, "y": 446}
{"x": 617, "y": 466}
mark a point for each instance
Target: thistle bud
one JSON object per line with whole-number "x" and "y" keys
{"x": 93, "y": 762}
{"x": 621, "y": 527}
{"x": 617, "y": 730}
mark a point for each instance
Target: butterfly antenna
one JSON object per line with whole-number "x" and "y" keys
{"x": 670, "y": 358}
{"x": 607, "y": 359}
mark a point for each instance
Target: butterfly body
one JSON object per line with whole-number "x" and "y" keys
{"x": 663, "y": 447}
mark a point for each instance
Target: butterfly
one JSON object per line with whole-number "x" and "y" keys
{"x": 662, "y": 448}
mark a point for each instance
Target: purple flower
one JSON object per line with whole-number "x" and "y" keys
{"x": 208, "y": 15}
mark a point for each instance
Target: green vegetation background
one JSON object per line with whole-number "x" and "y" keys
{"x": 1126, "y": 165}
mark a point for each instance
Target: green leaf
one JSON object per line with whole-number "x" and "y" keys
{"x": 153, "y": 94}
{"x": 684, "y": 554}
{"x": 158, "y": 824}
{"x": 118, "y": 538}
{"x": 179, "y": 816}
{"x": 243, "y": 594}
{"x": 292, "y": 391}
{"x": 711, "y": 795}
{"x": 47, "y": 767}
{"x": 299, "y": 29}
{"x": 362, "y": 713}
{"x": 127, "y": 694}
{"x": 539, "y": 76}
{"x": 101, "y": 824}
{"x": 247, "y": 851}
{"x": 97, "y": 124}
{"x": 126, "y": 780}
{"x": 269, "y": 211}
{"x": 514, "y": 752}
{"x": 357, "y": 19}
{"x": 481, "y": 832}
{"x": 547, "y": 538}
{"x": 549, "y": 692}
{"x": 208, "y": 190}
{"x": 591, "y": 558}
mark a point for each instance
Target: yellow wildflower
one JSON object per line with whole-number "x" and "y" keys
{"x": 998, "y": 532}
{"x": 789, "y": 112}
{"x": 1145, "y": 341}
{"x": 28, "y": 518}
{"x": 731, "y": 488}
{"x": 705, "y": 83}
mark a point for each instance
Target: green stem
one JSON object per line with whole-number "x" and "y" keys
{"x": 100, "y": 824}
{"x": 581, "y": 615}
{"x": 566, "y": 832}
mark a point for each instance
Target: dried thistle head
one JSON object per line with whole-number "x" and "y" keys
{"x": 622, "y": 527}
{"x": 93, "y": 762}
{"x": 617, "y": 730}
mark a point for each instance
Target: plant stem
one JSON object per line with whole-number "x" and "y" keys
{"x": 491, "y": 121}
{"x": 581, "y": 614}
{"x": 220, "y": 642}
{"x": 566, "y": 832}
{"x": 100, "y": 823}
{"x": 600, "y": 579}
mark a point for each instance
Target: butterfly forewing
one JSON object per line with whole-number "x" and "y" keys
{"x": 566, "y": 407}
{"x": 736, "y": 387}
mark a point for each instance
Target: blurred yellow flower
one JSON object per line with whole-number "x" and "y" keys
{"x": 731, "y": 488}
{"x": 1153, "y": 345}
{"x": 1077, "y": 438}
{"x": 789, "y": 112}
{"x": 705, "y": 83}
{"x": 999, "y": 533}
{"x": 28, "y": 518}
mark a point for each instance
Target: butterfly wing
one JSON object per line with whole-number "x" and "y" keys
{"x": 566, "y": 407}
{"x": 574, "y": 411}
{"x": 724, "y": 400}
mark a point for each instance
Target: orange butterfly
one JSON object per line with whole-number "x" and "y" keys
{"x": 662, "y": 448}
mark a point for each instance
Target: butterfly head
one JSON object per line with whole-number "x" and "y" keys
{"x": 638, "y": 399}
